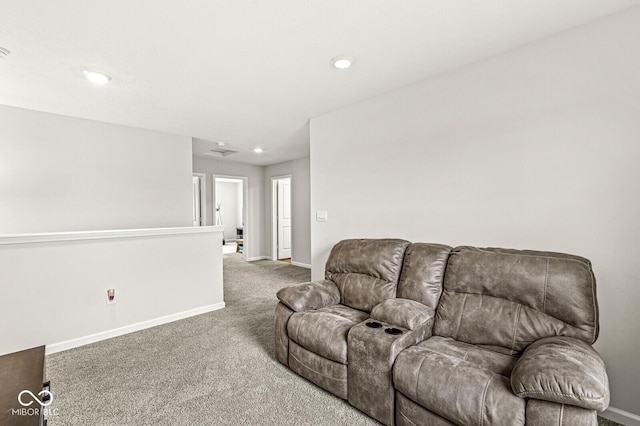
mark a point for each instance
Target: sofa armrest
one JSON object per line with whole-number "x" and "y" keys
{"x": 309, "y": 296}
{"x": 405, "y": 313}
{"x": 563, "y": 370}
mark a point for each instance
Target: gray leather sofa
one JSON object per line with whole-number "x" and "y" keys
{"x": 424, "y": 334}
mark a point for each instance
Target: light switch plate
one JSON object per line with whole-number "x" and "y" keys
{"x": 322, "y": 216}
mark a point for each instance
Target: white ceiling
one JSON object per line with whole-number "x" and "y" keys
{"x": 252, "y": 72}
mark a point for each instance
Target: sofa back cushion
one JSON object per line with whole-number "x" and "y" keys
{"x": 423, "y": 273}
{"x": 366, "y": 271}
{"x": 507, "y": 299}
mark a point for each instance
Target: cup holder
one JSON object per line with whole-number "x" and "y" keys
{"x": 374, "y": 324}
{"x": 393, "y": 331}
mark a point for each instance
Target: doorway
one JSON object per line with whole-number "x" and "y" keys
{"x": 282, "y": 217}
{"x": 229, "y": 211}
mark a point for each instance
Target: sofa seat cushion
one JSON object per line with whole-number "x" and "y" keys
{"x": 324, "y": 331}
{"x": 463, "y": 383}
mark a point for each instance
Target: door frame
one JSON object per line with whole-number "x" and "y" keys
{"x": 203, "y": 197}
{"x": 246, "y": 223}
{"x": 274, "y": 214}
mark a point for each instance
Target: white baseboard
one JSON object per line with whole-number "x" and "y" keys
{"x": 253, "y": 259}
{"x": 81, "y": 341}
{"x": 302, "y": 265}
{"x": 620, "y": 416}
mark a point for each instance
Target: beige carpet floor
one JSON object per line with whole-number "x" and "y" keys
{"x": 213, "y": 369}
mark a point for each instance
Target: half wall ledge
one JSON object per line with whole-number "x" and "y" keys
{"x": 48, "y": 237}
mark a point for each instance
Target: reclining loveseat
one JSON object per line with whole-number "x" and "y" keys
{"x": 426, "y": 334}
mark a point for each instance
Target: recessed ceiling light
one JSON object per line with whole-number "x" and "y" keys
{"x": 342, "y": 62}
{"x": 221, "y": 143}
{"x": 258, "y": 150}
{"x": 4, "y": 53}
{"x": 97, "y": 77}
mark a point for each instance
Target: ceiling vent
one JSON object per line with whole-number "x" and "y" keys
{"x": 220, "y": 152}
{"x": 4, "y": 53}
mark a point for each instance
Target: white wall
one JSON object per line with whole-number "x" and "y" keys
{"x": 255, "y": 225}
{"x": 60, "y": 173}
{"x": 54, "y": 293}
{"x": 537, "y": 148}
{"x": 229, "y": 194}
{"x": 300, "y": 203}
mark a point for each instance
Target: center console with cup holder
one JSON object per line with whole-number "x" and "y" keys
{"x": 373, "y": 348}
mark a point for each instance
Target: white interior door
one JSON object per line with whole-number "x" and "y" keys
{"x": 284, "y": 218}
{"x": 197, "y": 216}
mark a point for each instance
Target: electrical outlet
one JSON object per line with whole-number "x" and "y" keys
{"x": 111, "y": 296}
